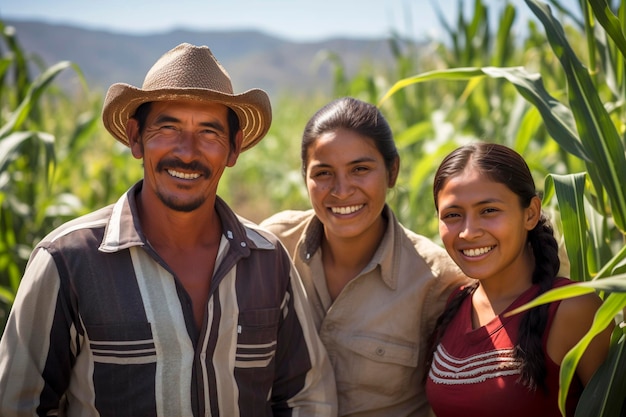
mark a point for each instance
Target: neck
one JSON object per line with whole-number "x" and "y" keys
{"x": 164, "y": 227}
{"x": 354, "y": 252}
{"x": 500, "y": 291}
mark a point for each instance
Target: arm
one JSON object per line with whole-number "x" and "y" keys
{"x": 305, "y": 379}
{"x": 28, "y": 384}
{"x": 572, "y": 320}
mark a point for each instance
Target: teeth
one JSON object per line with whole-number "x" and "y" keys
{"x": 346, "y": 210}
{"x": 182, "y": 175}
{"x": 477, "y": 251}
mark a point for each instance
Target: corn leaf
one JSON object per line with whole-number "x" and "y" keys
{"x": 600, "y": 138}
{"x": 569, "y": 191}
{"x": 36, "y": 89}
{"x": 612, "y": 305}
{"x": 615, "y": 283}
{"x": 557, "y": 117}
{"x": 604, "y": 394}
{"x": 610, "y": 23}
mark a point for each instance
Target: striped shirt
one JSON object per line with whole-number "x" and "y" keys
{"x": 102, "y": 327}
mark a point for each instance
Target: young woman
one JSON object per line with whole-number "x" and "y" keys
{"x": 375, "y": 288}
{"x": 485, "y": 362}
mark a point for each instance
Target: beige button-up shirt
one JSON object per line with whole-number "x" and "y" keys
{"x": 376, "y": 330}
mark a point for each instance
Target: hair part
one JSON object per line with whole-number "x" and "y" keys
{"x": 503, "y": 165}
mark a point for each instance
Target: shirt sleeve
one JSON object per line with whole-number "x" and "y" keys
{"x": 36, "y": 331}
{"x": 305, "y": 383}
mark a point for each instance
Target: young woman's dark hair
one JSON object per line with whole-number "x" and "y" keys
{"x": 503, "y": 165}
{"x": 141, "y": 114}
{"x": 355, "y": 115}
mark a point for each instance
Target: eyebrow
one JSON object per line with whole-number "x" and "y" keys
{"x": 361, "y": 160}
{"x": 477, "y": 204}
{"x": 354, "y": 162}
{"x": 165, "y": 118}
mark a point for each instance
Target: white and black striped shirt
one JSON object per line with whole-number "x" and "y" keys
{"x": 102, "y": 327}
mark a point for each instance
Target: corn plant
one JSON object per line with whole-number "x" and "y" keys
{"x": 50, "y": 171}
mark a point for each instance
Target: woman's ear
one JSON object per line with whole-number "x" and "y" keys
{"x": 393, "y": 172}
{"x": 533, "y": 213}
{"x": 134, "y": 138}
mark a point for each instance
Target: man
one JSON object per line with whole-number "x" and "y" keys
{"x": 166, "y": 303}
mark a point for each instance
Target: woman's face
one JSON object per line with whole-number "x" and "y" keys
{"x": 347, "y": 181}
{"x": 485, "y": 228}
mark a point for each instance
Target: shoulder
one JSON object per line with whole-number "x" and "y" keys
{"x": 562, "y": 335}
{"x": 421, "y": 252}
{"x": 95, "y": 220}
{"x": 288, "y": 221}
{"x": 430, "y": 252}
{"x": 289, "y": 226}
{"x": 575, "y": 309}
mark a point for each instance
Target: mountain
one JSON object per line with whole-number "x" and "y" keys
{"x": 252, "y": 58}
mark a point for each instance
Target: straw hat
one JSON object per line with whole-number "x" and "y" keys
{"x": 188, "y": 72}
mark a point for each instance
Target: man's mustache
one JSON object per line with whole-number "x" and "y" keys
{"x": 183, "y": 166}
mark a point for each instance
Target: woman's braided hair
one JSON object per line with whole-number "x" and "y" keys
{"x": 503, "y": 165}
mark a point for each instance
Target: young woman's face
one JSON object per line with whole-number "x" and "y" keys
{"x": 347, "y": 182}
{"x": 484, "y": 227}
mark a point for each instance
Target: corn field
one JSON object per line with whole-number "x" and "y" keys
{"x": 556, "y": 94}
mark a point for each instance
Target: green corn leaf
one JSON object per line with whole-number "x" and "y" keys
{"x": 557, "y": 117}
{"x": 615, "y": 283}
{"x": 10, "y": 145}
{"x": 598, "y": 134}
{"x": 37, "y": 88}
{"x": 604, "y": 394}
{"x": 610, "y": 23}
{"x": 569, "y": 190}
{"x": 612, "y": 305}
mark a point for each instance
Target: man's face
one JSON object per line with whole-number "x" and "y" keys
{"x": 185, "y": 148}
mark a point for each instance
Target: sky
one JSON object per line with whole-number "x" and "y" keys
{"x": 295, "y": 20}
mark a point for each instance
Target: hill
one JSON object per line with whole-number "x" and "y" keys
{"x": 253, "y": 59}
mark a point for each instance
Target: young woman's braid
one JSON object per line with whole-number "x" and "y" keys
{"x": 532, "y": 327}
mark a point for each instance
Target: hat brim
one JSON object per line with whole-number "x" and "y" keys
{"x": 252, "y": 107}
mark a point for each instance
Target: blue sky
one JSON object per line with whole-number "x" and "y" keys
{"x": 296, "y": 20}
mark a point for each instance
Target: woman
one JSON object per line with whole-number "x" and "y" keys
{"x": 491, "y": 224}
{"x": 375, "y": 288}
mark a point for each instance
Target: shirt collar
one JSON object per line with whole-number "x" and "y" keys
{"x": 123, "y": 229}
{"x": 385, "y": 256}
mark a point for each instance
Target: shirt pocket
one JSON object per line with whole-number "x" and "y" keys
{"x": 124, "y": 368}
{"x": 257, "y": 332}
{"x": 381, "y": 365}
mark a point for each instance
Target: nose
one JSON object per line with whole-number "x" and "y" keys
{"x": 186, "y": 146}
{"x": 342, "y": 187}
{"x": 470, "y": 229}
